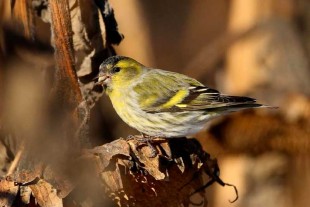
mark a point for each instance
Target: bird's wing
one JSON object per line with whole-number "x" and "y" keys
{"x": 163, "y": 91}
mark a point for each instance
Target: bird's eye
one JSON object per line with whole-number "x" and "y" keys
{"x": 116, "y": 70}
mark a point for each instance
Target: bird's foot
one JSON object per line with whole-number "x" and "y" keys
{"x": 144, "y": 139}
{"x": 130, "y": 137}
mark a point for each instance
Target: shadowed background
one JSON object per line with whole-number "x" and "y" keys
{"x": 254, "y": 48}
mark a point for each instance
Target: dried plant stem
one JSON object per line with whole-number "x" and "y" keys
{"x": 16, "y": 160}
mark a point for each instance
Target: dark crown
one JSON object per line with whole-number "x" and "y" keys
{"x": 113, "y": 60}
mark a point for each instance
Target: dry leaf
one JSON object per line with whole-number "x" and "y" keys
{"x": 8, "y": 192}
{"x": 132, "y": 176}
{"x": 45, "y": 194}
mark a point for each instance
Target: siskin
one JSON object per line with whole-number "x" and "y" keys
{"x": 160, "y": 103}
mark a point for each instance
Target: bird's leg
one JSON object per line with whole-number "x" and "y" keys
{"x": 129, "y": 137}
{"x": 144, "y": 139}
{"x": 148, "y": 140}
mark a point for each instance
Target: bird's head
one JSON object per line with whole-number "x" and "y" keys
{"x": 119, "y": 71}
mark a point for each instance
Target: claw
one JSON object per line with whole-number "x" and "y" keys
{"x": 147, "y": 140}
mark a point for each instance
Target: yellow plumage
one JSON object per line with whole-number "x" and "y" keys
{"x": 162, "y": 103}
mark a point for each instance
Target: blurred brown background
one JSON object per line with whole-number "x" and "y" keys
{"x": 258, "y": 48}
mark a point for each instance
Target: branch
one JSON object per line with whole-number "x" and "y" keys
{"x": 131, "y": 176}
{"x": 66, "y": 78}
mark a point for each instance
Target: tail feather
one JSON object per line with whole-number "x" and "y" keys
{"x": 237, "y": 103}
{"x": 236, "y": 99}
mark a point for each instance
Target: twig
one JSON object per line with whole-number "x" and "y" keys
{"x": 16, "y": 159}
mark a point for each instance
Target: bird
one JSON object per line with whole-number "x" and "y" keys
{"x": 160, "y": 103}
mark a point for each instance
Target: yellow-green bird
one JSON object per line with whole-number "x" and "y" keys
{"x": 160, "y": 103}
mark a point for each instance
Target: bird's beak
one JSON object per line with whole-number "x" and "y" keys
{"x": 102, "y": 79}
